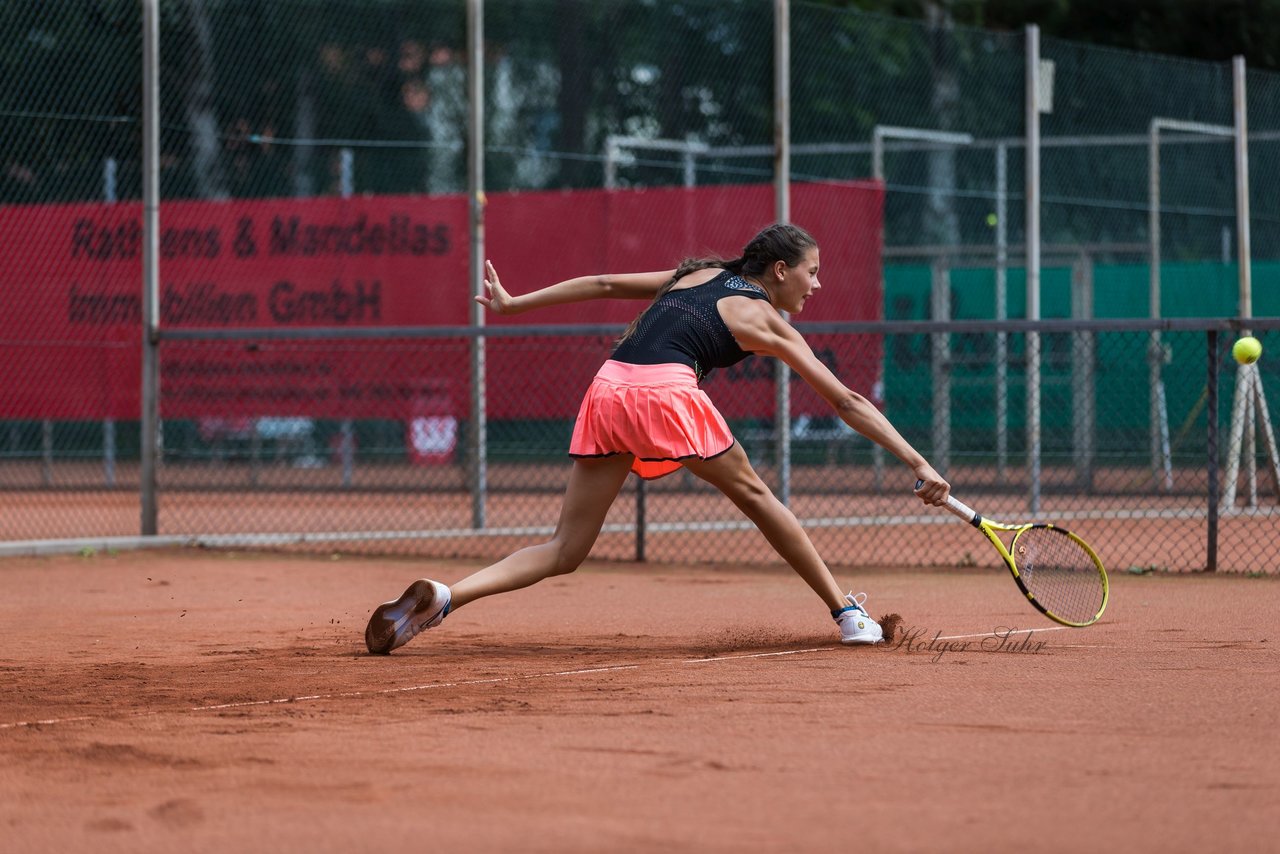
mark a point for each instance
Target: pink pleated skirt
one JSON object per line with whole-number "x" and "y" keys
{"x": 656, "y": 412}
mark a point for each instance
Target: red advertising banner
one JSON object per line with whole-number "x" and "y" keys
{"x": 74, "y": 298}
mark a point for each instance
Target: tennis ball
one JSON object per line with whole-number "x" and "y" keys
{"x": 991, "y": 220}
{"x": 1247, "y": 350}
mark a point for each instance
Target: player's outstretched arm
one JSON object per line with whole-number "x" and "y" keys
{"x": 760, "y": 329}
{"x": 580, "y": 289}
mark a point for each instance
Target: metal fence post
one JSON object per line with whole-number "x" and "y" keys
{"x": 475, "y": 193}
{"x": 1033, "y": 265}
{"x": 1002, "y": 310}
{"x": 1084, "y": 379}
{"x": 1211, "y": 556}
{"x": 1241, "y": 134}
{"x": 110, "y": 183}
{"x": 641, "y": 517}
{"x": 940, "y": 366}
{"x": 782, "y": 213}
{"x": 347, "y": 442}
{"x": 150, "y": 424}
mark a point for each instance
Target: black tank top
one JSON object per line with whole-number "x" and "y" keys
{"x": 685, "y": 327}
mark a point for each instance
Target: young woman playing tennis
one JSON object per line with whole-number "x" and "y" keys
{"x": 644, "y": 412}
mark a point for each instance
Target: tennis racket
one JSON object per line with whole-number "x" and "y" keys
{"x": 1061, "y": 575}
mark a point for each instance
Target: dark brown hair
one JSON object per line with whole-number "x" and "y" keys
{"x": 778, "y": 242}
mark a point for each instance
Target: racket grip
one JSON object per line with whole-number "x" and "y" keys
{"x": 958, "y": 507}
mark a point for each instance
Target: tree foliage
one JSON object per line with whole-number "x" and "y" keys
{"x": 279, "y": 98}
{"x": 1195, "y": 29}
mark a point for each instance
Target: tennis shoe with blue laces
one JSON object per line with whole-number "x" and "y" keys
{"x": 393, "y": 624}
{"x": 856, "y": 625}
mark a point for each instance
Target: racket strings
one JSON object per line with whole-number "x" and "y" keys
{"x": 1060, "y": 574}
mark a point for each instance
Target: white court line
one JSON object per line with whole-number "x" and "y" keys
{"x": 490, "y": 681}
{"x": 333, "y": 696}
{"x": 991, "y": 634}
{"x": 996, "y": 634}
{"x": 759, "y": 655}
{"x": 408, "y": 688}
{"x": 47, "y": 721}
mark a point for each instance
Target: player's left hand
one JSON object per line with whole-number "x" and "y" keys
{"x": 495, "y": 298}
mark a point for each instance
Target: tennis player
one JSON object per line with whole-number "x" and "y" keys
{"x": 645, "y": 413}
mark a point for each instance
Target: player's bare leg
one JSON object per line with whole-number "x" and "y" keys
{"x": 593, "y": 486}
{"x": 732, "y": 474}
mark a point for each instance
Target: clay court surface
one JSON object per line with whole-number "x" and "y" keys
{"x": 203, "y": 701}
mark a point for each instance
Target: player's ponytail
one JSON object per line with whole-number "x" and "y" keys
{"x": 686, "y": 267}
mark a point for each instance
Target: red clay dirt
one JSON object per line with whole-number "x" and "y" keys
{"x": 224, "y": 701}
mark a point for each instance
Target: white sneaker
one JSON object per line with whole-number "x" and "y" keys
{"x": 856, "y": 625}
{"x": 393, "y": 624}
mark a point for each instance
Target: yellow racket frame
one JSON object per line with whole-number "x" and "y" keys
{"x": 989, "y": 527}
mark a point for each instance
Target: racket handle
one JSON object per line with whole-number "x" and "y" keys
{"x": 964, "y": 511}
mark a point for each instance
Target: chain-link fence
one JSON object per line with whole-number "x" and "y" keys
{"x": 395, "y": 479}
{"x": 316, "y": 352}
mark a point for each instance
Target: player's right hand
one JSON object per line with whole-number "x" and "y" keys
{"x": 495, "y": 297}
{"x": 932, "y": 489}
